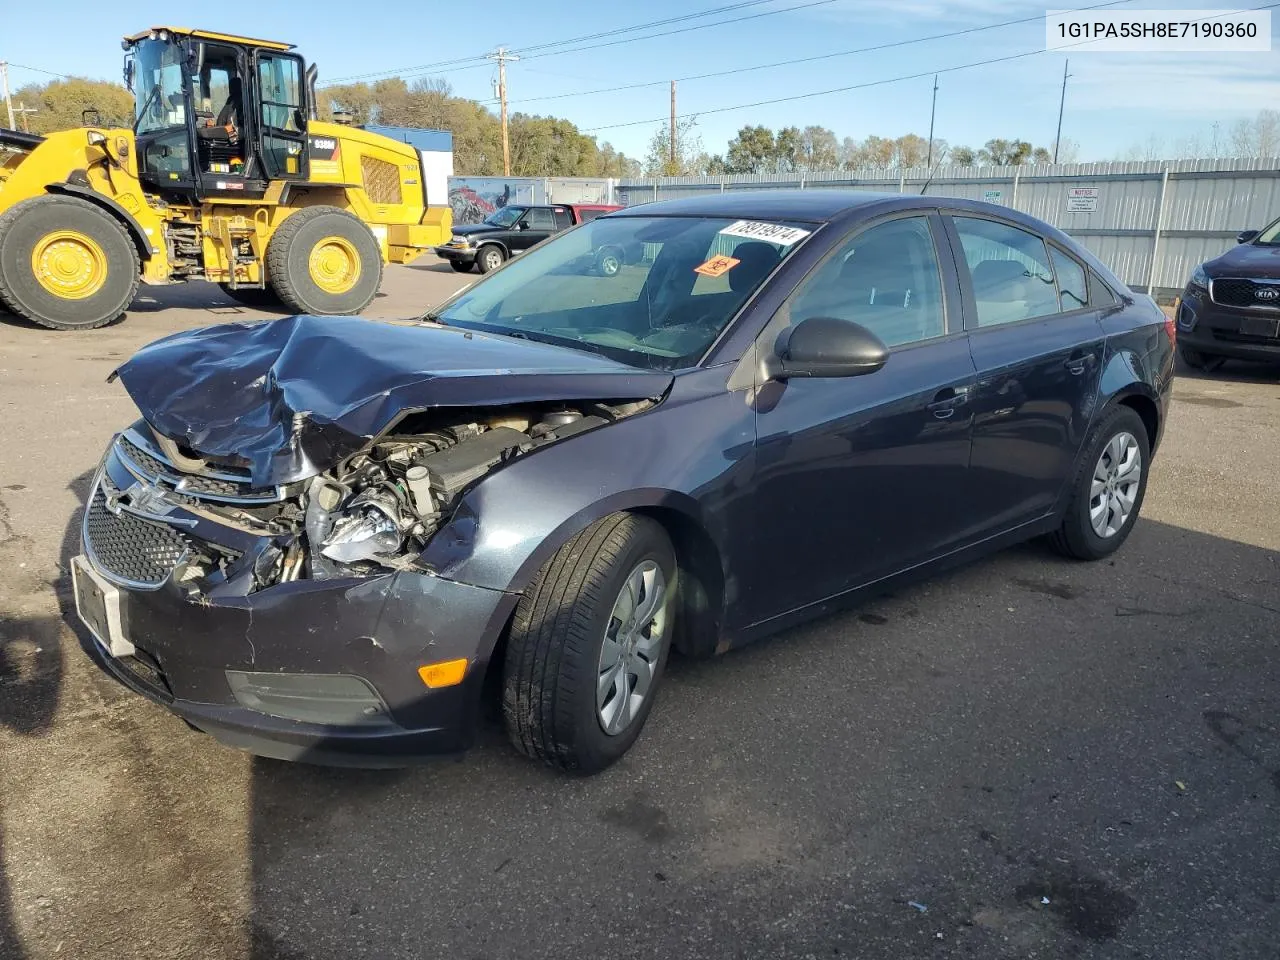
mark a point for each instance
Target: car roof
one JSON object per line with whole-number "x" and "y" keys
{"x": 819, "y": 206}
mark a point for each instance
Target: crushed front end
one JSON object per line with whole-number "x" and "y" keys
{"x": 296, "y": 620}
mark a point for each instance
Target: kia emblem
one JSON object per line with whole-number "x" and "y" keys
{"x": 1268, "y": 294}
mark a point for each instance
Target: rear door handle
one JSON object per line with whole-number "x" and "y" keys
{"x": 1077, "y": 365}
{"x": 947, "y": 400}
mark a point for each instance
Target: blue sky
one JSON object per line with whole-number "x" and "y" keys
{"x": 1115, "y": 101}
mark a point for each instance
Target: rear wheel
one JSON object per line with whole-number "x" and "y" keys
{"x": 1107, "y": 493}
{"x": 461, "y": 266}
{"x": 66, "y": 264}
{"x": 324, "y": 261}
{"x": 490, "y": 258}
{"x": 256, "y": 297}
{"x": 609, "y": 262}
{"x": 588, "y": 644}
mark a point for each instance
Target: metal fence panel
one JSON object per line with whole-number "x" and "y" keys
{"x": 1197, "y": 208}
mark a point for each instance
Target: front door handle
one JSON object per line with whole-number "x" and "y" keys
{"x": 947, "y": 400}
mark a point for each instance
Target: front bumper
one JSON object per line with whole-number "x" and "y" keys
{"x": 456, "y": 254}
{"x": 1222, "y": 331}
{"x": 380, "y": 629}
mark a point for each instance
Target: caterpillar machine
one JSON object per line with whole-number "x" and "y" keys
{"x": 226, "y": 176}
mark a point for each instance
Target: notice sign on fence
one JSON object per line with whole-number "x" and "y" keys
{"x": 992, "y": 196}
{"x": 1082, "y": 199}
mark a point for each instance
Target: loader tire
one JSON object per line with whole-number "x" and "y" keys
{"x": 66, "y": 264}
{"x": 324, "y": 261}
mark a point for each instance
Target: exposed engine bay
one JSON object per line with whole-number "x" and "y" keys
{"x": 372, "y": 512}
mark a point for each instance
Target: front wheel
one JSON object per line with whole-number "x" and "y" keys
{"x": 588, "y": 644}
{"x": 1108, "y": 489}
{"x": 608, "y": 263}
{"x": 65, "y": 263}
{"x": 1196, "y": 359}
{"x": 489, "y": 258}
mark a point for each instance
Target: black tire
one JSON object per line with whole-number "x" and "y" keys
{"x": 255, "y": 297}
{"x": 1076, "y": 537}
{"x": 289, "y": 256}
{"x": 609, "y": 262}
{"x": 490, "y": 257}
{"x": 1195, "y": 359}
{"x": 24, "y": 226}
{"x": 461, "y": 266}
{"x": 554, "y": 646}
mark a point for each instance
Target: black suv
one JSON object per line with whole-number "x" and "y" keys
{"x": 512, "y": 230}
{"x": 1231, "y": 305}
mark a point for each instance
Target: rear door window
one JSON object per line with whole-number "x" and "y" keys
{"x": 563, "y": 219}
{"x": 1073, "y": 294}
{"x": 1009, "y": 269}
{"x": 540, "y": 218}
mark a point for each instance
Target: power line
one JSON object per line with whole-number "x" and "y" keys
{"x": 23, "y": 66}
{"x": 814, "y": 59}
{"x": 427, "y": 67}
{"x": 880, "y": 83}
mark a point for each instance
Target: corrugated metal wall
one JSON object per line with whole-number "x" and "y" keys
{"x": 1205, "y": 203}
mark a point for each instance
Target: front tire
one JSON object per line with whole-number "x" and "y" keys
{"x": 324, "y": 261}
{"x": 588, "y": 644}
{"x": 1195, "y": 359}
{"x": 1107, "y": 492}
{"x": 65, "y": 264}
{"x": 490, "y": 258}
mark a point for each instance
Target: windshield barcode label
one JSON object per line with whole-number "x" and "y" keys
{"x": 770, "y": 232}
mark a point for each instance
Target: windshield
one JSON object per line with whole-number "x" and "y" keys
{"x": 649, "y": 291}
{"x": 504, "y": 216}
{"x": 1270, "y": 235}
{"x": 157, "y": 84}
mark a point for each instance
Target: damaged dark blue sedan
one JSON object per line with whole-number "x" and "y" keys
{"x": 329, "y": 539}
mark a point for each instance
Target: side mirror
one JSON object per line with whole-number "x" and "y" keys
{"x": 1244, "y": 236}
{"x": 826, "y": 347}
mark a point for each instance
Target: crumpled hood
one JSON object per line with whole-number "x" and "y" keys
{"x": 292, "y": 397}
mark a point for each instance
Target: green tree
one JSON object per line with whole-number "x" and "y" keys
{"x": 910, "y": 150}
{"x": 819, "y": 149}
{"x": 753, "y": 150}
{"x": 964, "y": 156}
{"x": 60, "y": 104}
{"x": 1005, "y": 153}
{"x": 689, "y": 155}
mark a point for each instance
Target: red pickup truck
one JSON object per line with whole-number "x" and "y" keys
{"x": 513, "y": 229}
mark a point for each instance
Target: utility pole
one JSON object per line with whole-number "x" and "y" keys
{"x": 24, "y": 110}
{"x": 1061, "y": 103}
{"x": 8, "y": 100}
{"x": 502, "y": 56}
{"x": 671, "y": 152}
{"x": 932, "y": 113}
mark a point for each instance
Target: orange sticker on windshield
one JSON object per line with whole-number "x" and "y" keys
{"x": 717, "y": 266}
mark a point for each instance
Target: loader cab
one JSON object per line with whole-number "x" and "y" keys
{"x": 217, "y": 116}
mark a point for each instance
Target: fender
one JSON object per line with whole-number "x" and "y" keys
{"x": 506, "y": 251}
{"x": 140, "y": 240}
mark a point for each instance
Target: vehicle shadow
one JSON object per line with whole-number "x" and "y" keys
{"x": 999, "y": 746}
{"x": 31, "y": 680}
{"x": 1232, "y": 371}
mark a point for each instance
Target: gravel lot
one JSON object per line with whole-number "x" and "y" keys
{"x": 1024, "y": 758}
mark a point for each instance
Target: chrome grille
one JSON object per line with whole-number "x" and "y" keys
{"x": 128, "y": 547}
{"x": 224, "y": 487}
{"x": 1241, "y": 292}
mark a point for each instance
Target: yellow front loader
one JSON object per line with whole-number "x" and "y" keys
{"x": 226, "y": 176}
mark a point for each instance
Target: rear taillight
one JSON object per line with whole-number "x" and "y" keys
{"x": 1171, "y": 323}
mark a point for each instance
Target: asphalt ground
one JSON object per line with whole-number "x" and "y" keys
{"x": 1025, "y": 758}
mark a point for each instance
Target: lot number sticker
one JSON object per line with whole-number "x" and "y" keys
{"x": 1082, "y": 199}
{"x": 716, "y": 266}
{"x": 770, "y": 232}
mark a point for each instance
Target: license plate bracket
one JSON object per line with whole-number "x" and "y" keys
{"x": 98, "y": 606}
{"x": 1268, "y": 327}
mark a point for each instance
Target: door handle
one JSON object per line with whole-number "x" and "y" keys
{"x": 947, "y": 400}
{"x": 1076, "y": 365}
